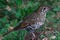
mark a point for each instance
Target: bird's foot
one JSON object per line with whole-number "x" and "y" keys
{"x": 33, "y": 36}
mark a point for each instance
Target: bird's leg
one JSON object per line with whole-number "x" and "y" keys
{"x": 33, "y": 35}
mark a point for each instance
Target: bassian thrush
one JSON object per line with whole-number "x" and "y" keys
{"x": 32, "y": 22}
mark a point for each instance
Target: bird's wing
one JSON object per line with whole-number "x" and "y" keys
{"x": 21, "y": 26}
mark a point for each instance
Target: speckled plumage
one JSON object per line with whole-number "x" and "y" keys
{"x": 37, "y": 19}
{"x": 32, "y": 21}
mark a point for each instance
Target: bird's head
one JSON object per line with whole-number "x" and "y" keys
{"x": 45, "y": 9}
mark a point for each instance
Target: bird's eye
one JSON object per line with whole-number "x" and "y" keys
{"x": 44, "y": 8}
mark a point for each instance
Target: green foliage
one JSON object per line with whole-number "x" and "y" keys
{"x": 57, "y": 8}
{"x": 20, "y": 9}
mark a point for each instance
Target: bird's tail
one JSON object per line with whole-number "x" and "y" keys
{"x": 2, "y": 36}
{"x": 13, "y": 29}
{"x": 6, "y": 33}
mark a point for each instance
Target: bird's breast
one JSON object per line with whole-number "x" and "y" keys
{"x": 37, "y": 25}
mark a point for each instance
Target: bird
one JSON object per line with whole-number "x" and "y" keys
{"x": 32, "y": 22}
